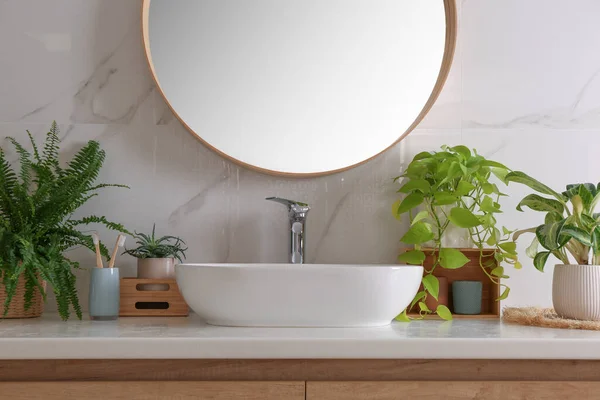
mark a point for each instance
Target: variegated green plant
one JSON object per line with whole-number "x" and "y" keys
{"x": 570, "y": 226}
{"x": 453, "y": 187}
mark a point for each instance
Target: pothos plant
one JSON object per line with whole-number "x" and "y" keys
{"x": 570, "y": 226}
{"x": 453, "y": 187}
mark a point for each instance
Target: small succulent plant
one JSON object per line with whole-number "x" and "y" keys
{"x": 151, "y": 247}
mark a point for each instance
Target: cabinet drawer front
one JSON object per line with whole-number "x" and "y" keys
{"x": 141, "y": 390}
{"x": 424, "y": 390}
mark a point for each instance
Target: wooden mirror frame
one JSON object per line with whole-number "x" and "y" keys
{"x": 449, "y": 47}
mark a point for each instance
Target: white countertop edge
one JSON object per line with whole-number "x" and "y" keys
{"x": 185, "y": 348}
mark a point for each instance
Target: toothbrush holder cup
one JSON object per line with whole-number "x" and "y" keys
{"x": 104, "y": 294}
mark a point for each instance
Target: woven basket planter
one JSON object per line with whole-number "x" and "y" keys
{"x": 17, "y": 305}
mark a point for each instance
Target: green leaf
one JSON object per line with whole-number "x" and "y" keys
{"x": 418, "y": 297}
{"x": 474, "y": 163}
{"x": 523, "y": 178}
{"x": 499, "y": 272}
{"x": 415, "y": 185}
{"x": 518, "y": 265}
{"x": 487, "y": 188}
{"x": 596, "y": 240}
{"x": 421, "y": 215}
{"x": 499, "y": 256}
{"x": 585, "y": 191}
{"x": 422, "y": 155}
{"x": 455, "y": 170}
{"x": 540, "y": 260}
{"x": 489, "y": 205}
{"x": 578, "y": 234}
{"x": 432, "y": 285}
{"x": 500, "y": 173}
{"x": 415, "y": 257}
{"x": 411, "y": 201}
{"x": 539, "y": 203}
{"x": 552, "y": 217}
{"x": 550, "y": 235}
{"x": 444, "y": 198}
{"x": 504, "y": 294}
{"x": 423, "y": 307}
{"x": 510, "y": 247}
{"x": 463, "y": 218}
{"x": 418, "y": 233}
{"x": 462, "y": 150}
{"x": 532, "y": 250}
{"x": 493, "y": 239}
{"x": 494, "y": 164}
{"x": 395, "y": 207}
{"x": 588, "y": 222}
{"x": 452, "y": 258}
{"x": 444, "y": 312}
{"x": 464, "y": 188}
{"x": 402, "y": 317}
{"x": 578, "y": 205}
{"x": 595, "y": 201}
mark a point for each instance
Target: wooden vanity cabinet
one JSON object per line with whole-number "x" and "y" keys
{"x": 300, "y": 379}
{"x": 144, "y": 390}
{"x": 436, "y": 390}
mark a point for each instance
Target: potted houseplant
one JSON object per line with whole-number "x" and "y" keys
{"x": 156, "y": 256}
{"x": 571, "y": 233}
{"x": 36, "y": 225}
{"x": 453, "y": 188}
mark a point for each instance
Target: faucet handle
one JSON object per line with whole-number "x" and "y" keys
{"x": 295, "y": 206}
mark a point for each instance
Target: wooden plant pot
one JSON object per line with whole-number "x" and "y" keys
{"x": 16, "y": 309}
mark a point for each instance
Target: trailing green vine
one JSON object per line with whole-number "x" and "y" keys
{"x": 453, "y": 188}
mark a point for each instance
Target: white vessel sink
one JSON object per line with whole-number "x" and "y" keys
{"x": 297, "y": 295}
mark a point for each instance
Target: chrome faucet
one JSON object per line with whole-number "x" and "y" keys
{"x": 297, "y": 212}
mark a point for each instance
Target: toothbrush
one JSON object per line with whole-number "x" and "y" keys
{"x": 96, "y": 239}
{"x": 120, "y": 243}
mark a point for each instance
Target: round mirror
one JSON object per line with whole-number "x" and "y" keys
{"x": 299, "y": 87}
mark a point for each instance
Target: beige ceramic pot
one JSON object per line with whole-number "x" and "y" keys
{"x": 156, "y": 268}
{"x": 576, "y": 291}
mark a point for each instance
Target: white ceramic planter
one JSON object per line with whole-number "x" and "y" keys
{"x": 576, "y": 291}
{"x": 155, "y": 268}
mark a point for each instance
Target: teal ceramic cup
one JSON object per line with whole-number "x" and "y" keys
{"x": 466, "y": 297}
{"x": 104, "y": 294}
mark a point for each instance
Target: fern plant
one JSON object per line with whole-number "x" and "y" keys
{"x": 36, "y": 225}
{"x": 151, "y": 247}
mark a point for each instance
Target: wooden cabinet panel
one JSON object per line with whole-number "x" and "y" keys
{"x": 152, "y": 390}
{"x": 452, "y": 390}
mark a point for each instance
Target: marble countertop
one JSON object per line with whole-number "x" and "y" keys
{"x": 181, "y": 338}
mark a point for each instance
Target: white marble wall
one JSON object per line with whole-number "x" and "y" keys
{"x": 524, "y": 89}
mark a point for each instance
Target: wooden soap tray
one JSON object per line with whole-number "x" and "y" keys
{"x": 151, "y": 303}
